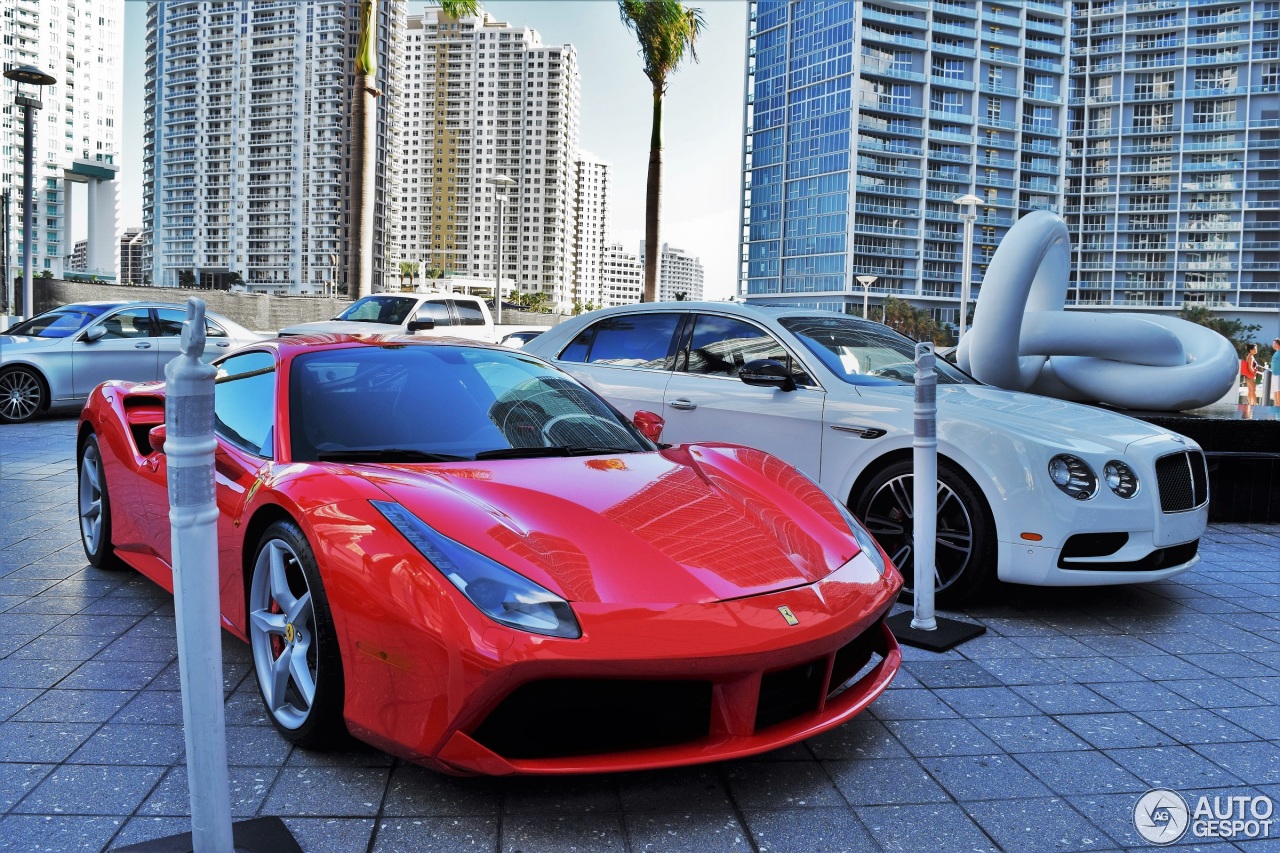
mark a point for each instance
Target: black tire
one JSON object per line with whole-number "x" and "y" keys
{"x": 966, "y": 544}
{"x": 93, "y": 504}
{"x": 312, "y": 721}
{"x": 23, "y": 394}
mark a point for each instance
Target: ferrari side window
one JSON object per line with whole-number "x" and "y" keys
{"x": 244, "y": 401}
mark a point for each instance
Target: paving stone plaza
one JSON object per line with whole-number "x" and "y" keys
{"x": 1040, "y": 735}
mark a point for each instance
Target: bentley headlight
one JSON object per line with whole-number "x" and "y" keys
{"x": 1120, "y": 478}
{"x": 1073, "y": 476}
{"x": 865, "y": 541}
{"x": 498, "y": 592}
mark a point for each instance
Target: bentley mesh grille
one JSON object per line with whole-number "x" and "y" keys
{"x": 1183, "y": 481}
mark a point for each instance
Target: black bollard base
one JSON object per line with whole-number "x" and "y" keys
{"x": 949, "y": 634}
{"x": 260, "y": 835}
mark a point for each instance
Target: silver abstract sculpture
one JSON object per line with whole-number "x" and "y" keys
{"x": 1022, "y": 339}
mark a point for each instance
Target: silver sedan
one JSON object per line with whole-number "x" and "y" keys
{"x": 57, "y": 358}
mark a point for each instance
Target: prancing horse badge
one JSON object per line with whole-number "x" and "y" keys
{"x": 788, "y": 615}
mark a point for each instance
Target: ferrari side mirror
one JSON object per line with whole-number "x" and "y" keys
{"x": 156, "y": 438}
{"x": 649, "y": 424}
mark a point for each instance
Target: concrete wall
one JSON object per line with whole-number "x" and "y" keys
{"x": 258, "y": 311}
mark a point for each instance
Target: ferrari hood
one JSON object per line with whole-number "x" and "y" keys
{"x": 691, "y": 524}
{"x": 1057, "y": 423}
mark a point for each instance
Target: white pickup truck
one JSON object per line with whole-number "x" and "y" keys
{"x": 437, "y": 313}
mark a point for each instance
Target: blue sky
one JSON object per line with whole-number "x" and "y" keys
{"x": 702, "y": 121}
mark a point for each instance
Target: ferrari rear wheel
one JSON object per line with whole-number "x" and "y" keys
{"x": 295, "y": 651}
{"x": 94, "y": 505}
{"x": 964, "y": 550}
{"x": 22, "y": 395}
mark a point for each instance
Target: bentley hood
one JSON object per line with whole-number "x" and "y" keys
{"x": 697, "y": 523}
{"x": 1056, "y": 423}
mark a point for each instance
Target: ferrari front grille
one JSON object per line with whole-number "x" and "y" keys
{"x": 594, "y": 716}
{"x": 1183, "y": 481}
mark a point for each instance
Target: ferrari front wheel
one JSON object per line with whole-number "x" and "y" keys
{"x": 94, "y": 505}
{"x": 295, "y": 650}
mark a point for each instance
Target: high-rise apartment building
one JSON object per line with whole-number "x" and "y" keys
{"x": 590, "y": 229}
{"x": 1153, "y": 128}
{"x": 76, "y": 133}
{"x": 482, "y": 99}
{"x": 679, "y": 274}
{"x": 1173, "y": 167}
{"x": 623, "y": 276}
{"x": 131, "y": 257}
{"x": 248, "y": 150}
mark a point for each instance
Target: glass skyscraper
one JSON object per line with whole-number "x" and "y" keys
{"x": 1151, "y": 127}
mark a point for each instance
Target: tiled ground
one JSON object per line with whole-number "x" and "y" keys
{"x": 1038, "y": 736}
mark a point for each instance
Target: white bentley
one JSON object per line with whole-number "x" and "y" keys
{"x": 1030, "y": 489}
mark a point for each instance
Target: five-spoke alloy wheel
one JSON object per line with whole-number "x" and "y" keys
{"x": 965, "y": 546}
{"x": 22, "y": 395}
{"x": 94, "y": 505}
{"x": 291, "y": 632}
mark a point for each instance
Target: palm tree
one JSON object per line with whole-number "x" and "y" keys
{"x": 364, "y": 131}
{"x": 665, "y": 30}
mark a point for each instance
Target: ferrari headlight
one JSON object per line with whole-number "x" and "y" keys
{"x": 1120, "y": 478}
{"x": 865, "y": 541}
{"x": 498, "y": 592}
{"x": 1073, "y": 476}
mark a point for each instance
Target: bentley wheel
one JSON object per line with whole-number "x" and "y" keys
{"x": 94, "y": 506}
{"x": 964, "y": 557}
{"x": 295, "y": 651}
{"x": 22, "y": 395}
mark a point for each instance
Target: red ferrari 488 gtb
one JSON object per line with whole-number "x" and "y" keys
{"x": 471, "y": 561}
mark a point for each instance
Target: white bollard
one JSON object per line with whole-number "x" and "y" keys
{"x": 1266, "y": 386}
{"x": 193, "y": 517}
{"x": 924, "y": 497}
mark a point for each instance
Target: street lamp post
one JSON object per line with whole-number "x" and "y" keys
{"x": 866, "y": 281}
{"x": 7, "y": 264}
{"x": 499, "y": 183}
{"x": 969, "y": 201}
{"x": 32, "y": 76}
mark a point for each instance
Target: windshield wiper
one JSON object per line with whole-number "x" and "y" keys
{"x": 385, "y": 454}
{"x": 555, "y": 450}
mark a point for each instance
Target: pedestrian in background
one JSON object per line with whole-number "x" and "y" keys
{"x": 1249, "y": 370}
{"x": 1275, "y": 372}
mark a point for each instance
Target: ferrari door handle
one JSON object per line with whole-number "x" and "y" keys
{"x": 682, "y": 404}
{"x": 143, "y": 345}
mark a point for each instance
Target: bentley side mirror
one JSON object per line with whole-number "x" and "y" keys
{"x": 649, "y": 424}
{"x": 156, "y": 438}
{"x": 767, "y": 373}
{"x": 93, "y": 333}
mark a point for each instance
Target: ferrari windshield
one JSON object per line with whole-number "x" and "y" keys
{"x": 863, "y": 353}
{"x": 393, "y": 310}
{"x": 407, "y": 403}
{"x": 61, "y": 322}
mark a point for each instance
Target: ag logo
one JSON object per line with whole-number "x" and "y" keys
{"x": 1160, "y": 816}
{"x": 788, "y": 615}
